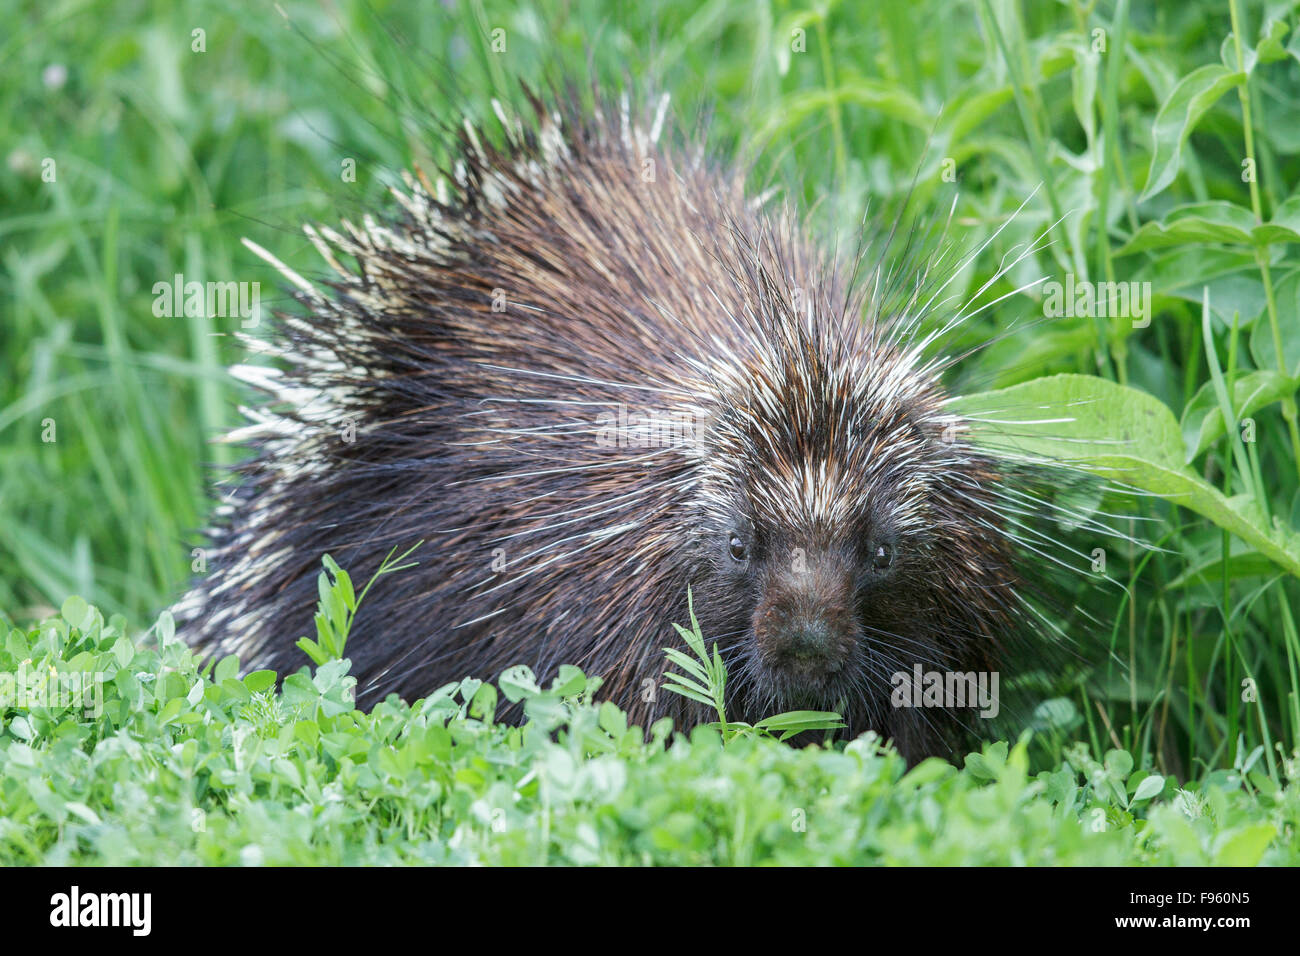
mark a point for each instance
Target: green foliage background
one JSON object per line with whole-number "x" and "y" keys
{"x": 1165, "y": 144}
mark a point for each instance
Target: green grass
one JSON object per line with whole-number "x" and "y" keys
{"x": 164, "y": 158}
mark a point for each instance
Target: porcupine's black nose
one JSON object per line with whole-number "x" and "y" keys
{"x": 804, "y": 623}
{"x": 804, "y": 643}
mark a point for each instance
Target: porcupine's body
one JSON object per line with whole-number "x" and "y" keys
{"x": 473, "y": 376}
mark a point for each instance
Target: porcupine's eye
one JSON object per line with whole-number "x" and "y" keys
{"x": 737, "y": 547}
{"x": 882, "y": 557}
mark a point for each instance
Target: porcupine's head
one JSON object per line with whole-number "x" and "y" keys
{"x": 848, "y": 528}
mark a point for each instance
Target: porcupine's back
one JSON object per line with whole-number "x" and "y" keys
{"x": 472, "y": 377}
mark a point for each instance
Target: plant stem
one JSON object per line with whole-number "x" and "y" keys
{"x": 837, "y": 128}
{"x": 1261, "y": 250}
{"x": 1109, "y": 140}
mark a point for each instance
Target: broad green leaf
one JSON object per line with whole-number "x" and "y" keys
{"x": 570, "y": 681}
{"x": 1180, "y": 266}
{"x": 1178, "y": 116}
{"x": 803, "y": 719}
{"x": 324, "y": 634}
{"x": 483, "y": 706}
{"x": 170, "y": 710}
{"x": 1271, "y": 31}
{"x": 1243, "y": 562}
{"x": 611, "y": 720}
{"x": 1050, "y": 347}
{"x": 123, "y": 651}
{"x": 1230, "y": 272}
{"x": 1203, "y": 423}
{"x": 1240, "y": 295}
{"x": 929, "y": 770}
{"x": 469, "y": 687}
{"x": 235, "y": 689}
{"x": 1243, "y": 847}
{"x": 1149, "y": 787}
{"x": 1216, "y": 221}
{"x": 981, "y": 767}
{"x": 1284, "y": 226}
{"x": 1194, "y": 223}
{"x": 1119, "y": 433}
{"x": 259, "y": 681}
{"x": 336, "y": 613}
{"x": 518, "y": 682}
{"x": 1119, "y": 762}
{"x": 76, "y": 611}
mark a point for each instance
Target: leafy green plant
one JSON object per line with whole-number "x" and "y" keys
{"x": 1126, "y": 435}
{"x": 337, "y": 606}
{"x": 169, "y": 766}
{"x": 705, "y": 681}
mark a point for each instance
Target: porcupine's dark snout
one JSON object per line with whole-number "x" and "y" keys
{"x": 804, "y": 624}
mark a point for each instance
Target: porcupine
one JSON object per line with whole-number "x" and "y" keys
{"x": 474, "y": 377}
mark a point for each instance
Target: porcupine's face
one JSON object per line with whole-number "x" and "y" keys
{"x": 831, "y": 536}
